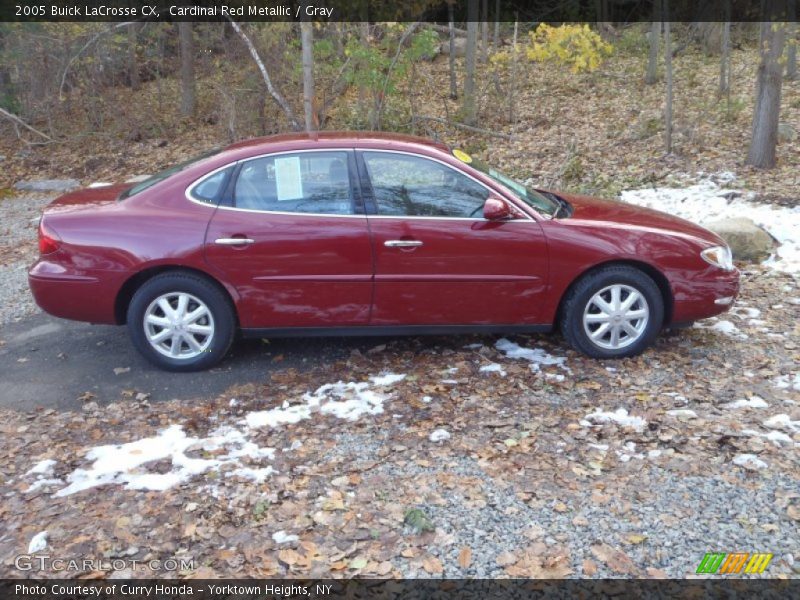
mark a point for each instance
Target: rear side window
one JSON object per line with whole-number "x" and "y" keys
{"x": 209, "y": 189}
{"x": 302, "y": 182}
{"x": 406, "y": 185}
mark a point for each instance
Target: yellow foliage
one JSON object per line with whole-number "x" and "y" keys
{"x": 574, "y": 45}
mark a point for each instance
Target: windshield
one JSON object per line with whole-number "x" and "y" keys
{"x": 161, "y": 176}
{"x": 530, "y": 196}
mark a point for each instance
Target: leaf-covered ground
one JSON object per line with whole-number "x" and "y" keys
{"x": 457, "y": 456}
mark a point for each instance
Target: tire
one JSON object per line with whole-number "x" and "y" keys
{"x": 590, "y": 312}
{"x": 208, "y": 319}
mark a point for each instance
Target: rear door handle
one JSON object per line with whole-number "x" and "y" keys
{"x": 402, "y": 243}
{"x": 233, "y": 241}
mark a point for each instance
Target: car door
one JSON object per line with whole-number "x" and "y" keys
{"x": 437, "y": 260}
{"x": 293, "y": 241}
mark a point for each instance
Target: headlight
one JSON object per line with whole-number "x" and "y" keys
{"x": 719, "y": 256}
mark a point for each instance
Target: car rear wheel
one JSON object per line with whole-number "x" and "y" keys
{"x": 613, "y": 312}
{"x": 181, "y": 322}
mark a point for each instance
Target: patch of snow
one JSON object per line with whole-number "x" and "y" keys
{"x": 784, "y": 381}
{"x": 40, "y": 483}
{"x": 450, "y": 381}
{"x": 427, "y": 399}
{"x": 233, "y": 402}
{"x": 653, "y": 453}
{"x": 723, "y": 326}
{"x": 473, "y": 346}
{"x": 619, "y": 416}
{"x": 706, "y": 201}
{"x": 44, "y": 467}
{"x": 387, "y": 378}
{"x": 535, "y": 356}
{"x": 38, "y": 542}
{"x": 749, "y": 461}
{"x": 601, "y": 447}
{"x": 493, "y": 368}
{"x": 776, "y": 437}
{"x": 682, "y": 412}
{"x": 281, "y": 537}
{"x": 751, "y": 402}
{"x": 125, "y": 464}
{"x": 745, "y": 312}
{"x": 439, "y": 435}
{"x": 782, "y": 421}
{"x": 99, "y": 184}
{"x": 257, "y": 475}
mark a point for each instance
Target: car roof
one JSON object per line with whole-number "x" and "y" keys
{"x": 327, "y": 138}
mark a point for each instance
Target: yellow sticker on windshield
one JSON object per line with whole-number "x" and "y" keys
{"x": 462, "y": 156}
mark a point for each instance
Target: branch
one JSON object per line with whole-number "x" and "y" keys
{"x": 409, "y": 30}
{"x": 504, "y": 136}
{"x": 81, "y": 51}
{"x": 15, "y": 119}
{"x": 270, "y": 88}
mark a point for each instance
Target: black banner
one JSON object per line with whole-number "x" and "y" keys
{"x": 526, "y": 11}
{"x": 422, "y": 589}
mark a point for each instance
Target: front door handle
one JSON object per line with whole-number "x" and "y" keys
{"x": 402, "y": 243}
{"x": 235, "y": 241}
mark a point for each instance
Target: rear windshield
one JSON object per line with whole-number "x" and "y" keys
{"x": 162, "y": 175}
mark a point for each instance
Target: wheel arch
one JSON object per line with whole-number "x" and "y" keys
{"x": 135, "y": 281}
{"x": 656, "y": 275}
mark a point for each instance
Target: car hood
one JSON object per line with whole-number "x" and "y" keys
{"x": 612, "y": 213}
{"x": 86, "y": 198}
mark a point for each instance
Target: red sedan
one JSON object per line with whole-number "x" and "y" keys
{"x": 367, "y": 234}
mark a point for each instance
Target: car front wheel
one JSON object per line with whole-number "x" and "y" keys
{"x": 613, "y": 312}
{"x": 181, "y": 322}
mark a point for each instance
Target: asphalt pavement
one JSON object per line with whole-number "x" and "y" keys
{"x": 51, "y": 363}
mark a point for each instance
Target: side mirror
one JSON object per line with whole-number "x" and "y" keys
{"x": 495, "y": 209}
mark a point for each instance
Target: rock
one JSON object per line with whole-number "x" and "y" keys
{"x": 47, "y": 185}
{"x": 459, "y": 47}
{"x": 786, "y": 133}
{"x": 747, "y": 240}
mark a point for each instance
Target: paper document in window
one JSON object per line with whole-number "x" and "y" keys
{"x": 288, "y": 178}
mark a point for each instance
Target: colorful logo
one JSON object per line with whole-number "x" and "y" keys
{"x": 723, "y": 563}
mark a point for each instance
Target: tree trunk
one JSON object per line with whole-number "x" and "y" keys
{"x": 768, "y": 97}
{"x": 725, "y": 60}
{"x": 496, "y": 38}
{"x": 668, "y": 73}
{"x": 484, "y": 30}
{"x": 791, "y": 51}
{"x": 188, "y": 92}
{"x": 513, "y": 83}
{"x": 307, "y": 43}
{"x": 652, "y": 58}
{"x": 452, "y": 57}
{"x": 133, "y": 63}
{"x": 468, "y": 106}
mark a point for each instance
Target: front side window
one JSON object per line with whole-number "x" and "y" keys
{"x": 301, "y": 182}
{"x": 407, "y": 185}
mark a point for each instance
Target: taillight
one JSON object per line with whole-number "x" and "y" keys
{"x": 48, "y": 240}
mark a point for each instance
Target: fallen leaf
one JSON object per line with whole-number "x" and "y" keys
{"x": 616, "y": 560}
{"x": 465, "y": 557}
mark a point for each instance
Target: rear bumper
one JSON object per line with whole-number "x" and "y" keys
{"x": 706, "y": 296}
{"x": 80, "y": 297}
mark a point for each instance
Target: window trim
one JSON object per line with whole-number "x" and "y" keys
{"x": 355, "y": 187}
{"x": 366, "y": 181}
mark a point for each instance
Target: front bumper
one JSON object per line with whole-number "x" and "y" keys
{"x": 705, "y": 296}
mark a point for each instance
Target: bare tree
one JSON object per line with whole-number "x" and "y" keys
{"x": 273, "y": 91}
{"x": 725, "y": 61}
{"x": 468, "y": 104}
{"x": 791, "y": 50}
{"x": 307, "y": 43}
{"x": 133, "y": 62}
{"x": 188, "y": 90}
{"x": 668, "y": 73}
{"x": 768, "y": 96}
{"x": 513, "y": 82}
{"x": 484, "y": 30}
{"x": 452, "y": 57}
{"x": 652, "y": 58}
{"x": 496, "y": 38}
